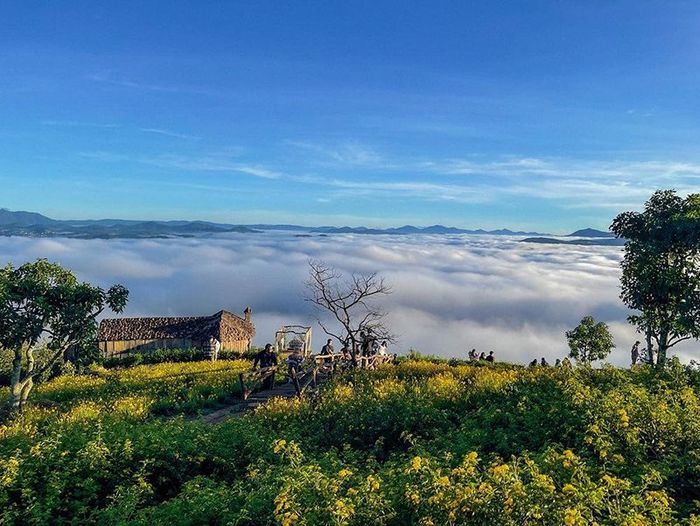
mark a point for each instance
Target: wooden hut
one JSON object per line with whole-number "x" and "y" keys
{"x": 121, "y": 336}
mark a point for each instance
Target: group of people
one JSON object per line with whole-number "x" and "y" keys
{"x": 369, "y": 346}
{"x": 637, "y": 356}
{"x": 544, "y": 363}
{"x": 267, "y": 357}
{"x": 474, "y": 356}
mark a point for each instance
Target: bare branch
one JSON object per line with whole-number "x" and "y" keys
{"x": 351, "y": 302}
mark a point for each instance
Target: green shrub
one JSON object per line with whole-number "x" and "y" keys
{"x": 423, "y": 442}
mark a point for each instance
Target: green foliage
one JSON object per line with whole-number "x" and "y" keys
{"x": 590, "y": 341}
{"x": 661, "y": 268}
{"x": 190, "y": 354}
{"x": 422, "y": 442}
{"x": 42, "y": 300}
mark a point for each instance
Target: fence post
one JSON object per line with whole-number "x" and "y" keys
{"x": 244, "y": 391}
{"x": 295, "y": 381}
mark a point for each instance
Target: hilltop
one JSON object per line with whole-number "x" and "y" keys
{"x": 422, "y": 442}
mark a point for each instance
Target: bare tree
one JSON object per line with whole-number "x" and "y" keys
{"x": 351, "y": 302}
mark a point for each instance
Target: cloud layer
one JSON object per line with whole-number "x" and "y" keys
{"x": 451, "y": 293}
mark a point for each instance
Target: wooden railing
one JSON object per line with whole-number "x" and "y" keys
{"x": 250, "y": 379}
{"x": 313, "y": 367}
{"x": 371, "y": 362}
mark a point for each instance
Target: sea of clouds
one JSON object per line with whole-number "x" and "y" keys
{"x": 450, "y": 293}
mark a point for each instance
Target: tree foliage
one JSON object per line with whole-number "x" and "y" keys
{"x": 42, "y": 301}
{"x": 590, "y": 341}
{"x": 661, "y": 268}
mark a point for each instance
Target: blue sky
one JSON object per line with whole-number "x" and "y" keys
{"x": 537, "y": 115}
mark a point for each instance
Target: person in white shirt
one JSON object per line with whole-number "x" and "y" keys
{"x": 381, "y": 350}
{"x": 211, "y": 349}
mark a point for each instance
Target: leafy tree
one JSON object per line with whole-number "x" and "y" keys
{"x": 44, "y": 301}
{"x": 661, "y": 269}
{"x": 590, "y": 341}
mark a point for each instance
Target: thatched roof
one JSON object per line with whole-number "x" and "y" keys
{"x": 223, "y": 325}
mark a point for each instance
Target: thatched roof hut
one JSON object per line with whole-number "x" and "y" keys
{"x": 124, "y": 335}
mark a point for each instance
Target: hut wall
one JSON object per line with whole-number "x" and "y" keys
{"x": 122, "y": 348}
{"x": 236, "y": 345}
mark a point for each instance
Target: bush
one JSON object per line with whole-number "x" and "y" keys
{"x": 422, "y": 442}
{"x": 155, "y": 356}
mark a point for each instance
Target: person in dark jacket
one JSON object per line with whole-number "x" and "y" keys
{"x": 266, "y": 358}
{"x": 328, "y": 348}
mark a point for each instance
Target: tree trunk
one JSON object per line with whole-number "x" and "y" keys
{"x": 650, "y": 348}
{"x": 663, "y": 348}
{"x": 21, "y": 384}
{"x": 14, "y": 399}
{"x": 26, "y": 389}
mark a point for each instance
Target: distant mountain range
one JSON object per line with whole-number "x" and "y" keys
{"x": 607, "y": 242}
{"x": 587, "y": 236}
{"x": 32, "y": 224}
{"x": 408, "y": 229}
{"x": 591, "y": 232}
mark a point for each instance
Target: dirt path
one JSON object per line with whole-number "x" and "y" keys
{"x": 239, "y": 408}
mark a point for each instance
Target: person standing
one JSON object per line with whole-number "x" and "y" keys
{"x": 491, "y": 358}
{"x": 294, "y": 362}
{"x": 635, "y": 352}
{"x": 211, "y": 348}
{"x": 328, "y": 348}
{"x": 266, "y": 358}
{"x": 382, "y": 349}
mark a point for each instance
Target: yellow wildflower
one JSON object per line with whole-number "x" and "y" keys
{"x": 416, "y": 463}
{"x": 572, "y": 517}
{"x": 372, "y": 482}
{"x": 500, "y": 471}
{"x": 624, "y": 418}
{"x": 279, "y": 445}
{"x": 443, "y": 481}
{"x": 414, "y": 497}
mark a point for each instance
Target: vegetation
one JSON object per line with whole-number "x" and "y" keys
{"x": 661, "y": 269}
{"x": 42, "y": 300}
{"x": 422, "y": 442}
{"x": 590, "y": 341}
{"x": 188, "y": 354}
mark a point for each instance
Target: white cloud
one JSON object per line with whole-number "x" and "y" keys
{"x": 451, "y": 293}
{"x": 188, "y": 163}
{"x": 169, "y": 133}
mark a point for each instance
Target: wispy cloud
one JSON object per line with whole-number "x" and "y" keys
{"x": 416, "y": 190}
{"x": 107, "y": 78}
{"x": 345, "y": 153}
{"x": 169, "y": 133}
{"x": 78, "y": 124}
{"x": 352, "y": 170}
{"x": 187, "y": 163}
